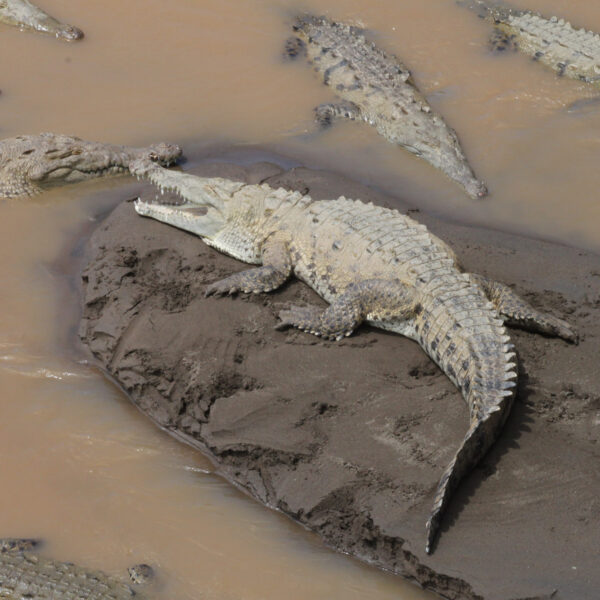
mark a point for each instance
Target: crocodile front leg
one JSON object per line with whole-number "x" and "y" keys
{"x": 516, "y": 312}
{"x": 326, "y": 113}
{"x": 294, "y": 47}
{"x": 378, "y": 299}
{"x": 275, "y": 270}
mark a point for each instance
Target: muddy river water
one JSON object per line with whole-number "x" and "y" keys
{"x": 80, "y": 466}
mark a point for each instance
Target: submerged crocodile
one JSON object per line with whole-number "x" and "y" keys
{"x": 554, "y": 42}
{"x": 372, "y": 265}
{"x": 31, "y": 163}
{"x": 25, "y": 15}
{"x": 24, "y": 575}
{"x": 377, "y": 88}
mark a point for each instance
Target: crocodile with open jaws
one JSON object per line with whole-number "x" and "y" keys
{"x": 372, "y": 265}
{"x": 554, "y": 42}
{"x": 31, "y": 163}
{"x": 377, "y": 88}
{"x": 24, "y": 575}
{"x": 25, "y": 15}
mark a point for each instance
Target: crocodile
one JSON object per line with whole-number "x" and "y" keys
{"x": 25, "y": 575}
{"x": 31, "y": 163}
{"x": 377, "y": 88}
{"x": 25, "y": 15}
{"x": 373, "y": 265}
{"x": 553, "y": 42}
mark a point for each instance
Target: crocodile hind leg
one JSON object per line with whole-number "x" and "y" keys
{"x": 516, "y": 312}
{"x": 328, "y": 112}
{"x": 275, "y": 270}
{"x": 380, "y": 299}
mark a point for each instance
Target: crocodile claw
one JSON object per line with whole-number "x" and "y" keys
{"x": 298, "y": 316}
{"x": 221, "y": 288}
{"x": 566, "y": 332}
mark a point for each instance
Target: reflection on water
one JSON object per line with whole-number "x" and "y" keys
{"x": 81, "y": 467}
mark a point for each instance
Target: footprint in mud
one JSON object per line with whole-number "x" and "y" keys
{"x": 209, "y": 372}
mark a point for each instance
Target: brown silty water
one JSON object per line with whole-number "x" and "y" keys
{"x": 84, "y": 469}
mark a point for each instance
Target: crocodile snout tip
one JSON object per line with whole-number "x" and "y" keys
{"x": 69, "y": 33}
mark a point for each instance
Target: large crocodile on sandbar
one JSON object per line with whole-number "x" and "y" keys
{"x": 553, "y": 42}
{"x": 377, "y": 88}
{"x": 31, "y": 163}
{"x": 372, "y": 265}
{"x": 25, "y": 575}
{"x": 25, "y": 15}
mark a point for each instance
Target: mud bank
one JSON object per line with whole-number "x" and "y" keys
{"x": 350, "y": 438}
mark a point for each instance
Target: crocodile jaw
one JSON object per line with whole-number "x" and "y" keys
{"x": 78, "y": 161}
{"x": 205, "y": 202}
{"x": 62, "y": 31}
{"x": 68, "y": 33}
{"x": 28, "y": 164}
{"x": 198, "y": 219}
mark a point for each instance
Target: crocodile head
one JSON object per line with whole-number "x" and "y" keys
{"x": 195, "y": 204}
{"x": 67, "y": 33}
{"x": 32, "y": 163}
{"x": 220, "y": 211}
{"x": 25, "y": 15}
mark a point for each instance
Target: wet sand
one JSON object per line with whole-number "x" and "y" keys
{"x": 350, "y": 438}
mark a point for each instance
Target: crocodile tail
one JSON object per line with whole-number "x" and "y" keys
{"x": 479, "y": 438}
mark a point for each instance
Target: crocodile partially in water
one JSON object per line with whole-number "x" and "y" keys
{"x": 553, "y": 42}
{"x": 372, "y": 265}
{"x": 32, "y": 163}
{"x": 25, "y": 15}
{"x": 26, "y": 575}
{"x": 377, "y": 88}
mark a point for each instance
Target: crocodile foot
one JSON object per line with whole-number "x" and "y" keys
{"x": 294, "y": 47}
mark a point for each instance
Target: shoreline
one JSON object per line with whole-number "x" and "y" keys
{"x": 354, "y": 452}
